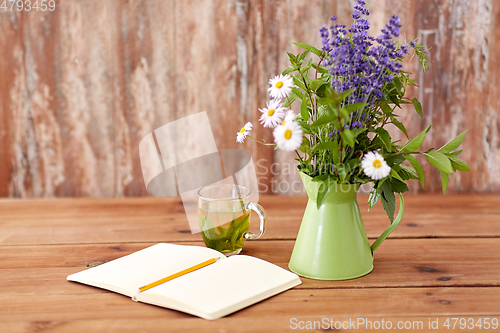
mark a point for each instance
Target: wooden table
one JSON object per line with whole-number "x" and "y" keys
{"x": 443, "y": 261}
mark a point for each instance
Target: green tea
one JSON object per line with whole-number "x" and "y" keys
{"x": 224, "y": 230}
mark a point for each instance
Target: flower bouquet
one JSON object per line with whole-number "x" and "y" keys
{"x": 348, "y": 97}
{"x": 349, "y": 92}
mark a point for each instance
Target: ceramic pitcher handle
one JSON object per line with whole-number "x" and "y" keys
{"x": 262, "y": 216}
{"x": 393, "y": 225}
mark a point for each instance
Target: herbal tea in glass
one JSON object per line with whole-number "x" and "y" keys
{"x": 224, "y": 212}
{"x": 225, "y": 237}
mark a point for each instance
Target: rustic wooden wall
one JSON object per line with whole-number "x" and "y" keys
{"x": 81, "y": 86}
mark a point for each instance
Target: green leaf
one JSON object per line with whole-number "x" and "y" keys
{"x": 289, "y": 70}
{"x": 457, "y": 163}
{"x": 344, "y": 172}
{"x": 305, "y": 70}
{"x": 398, "y": 186}
{"x": 305, "y": 127}
{"x": 347, "y": 135}
{"x": 305, "y": 147}
{"x": 353, "y": 163}
{"x": 394, "y": 174}
{"x": 395, "y": 100}
{"x": 388, "y": 200}
{"x": 440, "y": 161}
{"x": 407, "y": 173}
{"x": 344, "y": 113}
{"x": 320, "y": 178}
{"x": 386, "y": 108}
{"x": 353, "y": 107}
{"x": 323, "y": 120}
{"x": 323, "y": 191}
{"x": 399, "y": 125}
{"x": 298, "y": 93}
{"x": 378, "y": 184}
{"x": 327, "y": 100}
{"x": 325, "y": 186}
{"x": 238, "y": 229}
{"x": 327, "y": 145}
{"x": 329, "y": 96}
{"x": 298, "y": 82}
{"x": 444, "y": 180}
{"x": 321, "y": 69}
{"x": 303, "y": 55}
{"x": 418, "y": 107}
{"x": 342, "y": 96}
{"x": 335, "y": 156}
{"x": 385, "y": 137}
{"x": 303, "y": 109}
{"x": 222, "y": 232}
{"x": 418, "y": 168}
{"x": 293, "y": 60}
{"x": 315, "y": 84}
{"x": 374, "y": 198}
{"x": 290, "y": 99}
{"x": 356, "y": 132}
{"x": 394, "y": 160}
{"x": 416, "y": 142}
{"x": 456, "y": 152}
{"x": 321, "y": 91}
{"x": 453, "y": 144}
{"x": 398, "y": 84}
{"x": 310, "y": 48}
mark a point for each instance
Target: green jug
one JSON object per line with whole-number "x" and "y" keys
{"x": 332, "y": 242}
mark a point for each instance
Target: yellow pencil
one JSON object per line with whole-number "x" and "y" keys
{"x": 176, "y": 275}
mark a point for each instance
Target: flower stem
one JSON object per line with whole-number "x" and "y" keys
{"x": 298, "y": 155}
{"x": 262, "y": 141}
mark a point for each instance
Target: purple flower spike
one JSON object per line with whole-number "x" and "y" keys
{"x": 360, "y": 62}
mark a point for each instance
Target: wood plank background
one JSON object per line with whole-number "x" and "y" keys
{"x": 82, "y": 85}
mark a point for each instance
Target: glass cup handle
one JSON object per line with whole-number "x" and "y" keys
{"x": 262, "y": 216}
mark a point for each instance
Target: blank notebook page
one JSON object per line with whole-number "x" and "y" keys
{"x": 143, "y": 267}
{"x": 226, "y": 283}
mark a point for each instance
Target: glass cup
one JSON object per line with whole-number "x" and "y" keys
{"x": 224, "y": 212}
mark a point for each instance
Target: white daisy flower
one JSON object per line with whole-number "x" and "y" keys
{"x": 281, "y": 86}
{"x": 242, "y": 134}
{"x": 289, "y": 116}
{"x": 374, "y": 166}
{"x": 288, "y": 137}
{"x": 273, "y": 115}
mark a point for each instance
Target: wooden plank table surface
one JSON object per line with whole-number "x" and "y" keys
{"x": 442, "y": 262}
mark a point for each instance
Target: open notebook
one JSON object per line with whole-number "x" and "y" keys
{"x": 211, "y": 292}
